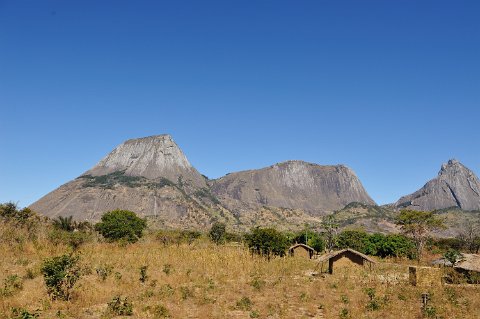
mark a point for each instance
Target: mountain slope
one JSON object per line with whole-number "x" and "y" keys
{"x": 150, "y": 176}
{"x": 455, "y": 186}
{"x": 294, "y": 184}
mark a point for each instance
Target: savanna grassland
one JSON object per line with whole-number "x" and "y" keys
{"x": 204, "y": 280}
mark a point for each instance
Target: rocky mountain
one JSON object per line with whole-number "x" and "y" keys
{"x": 294, "y": 184}
{"x": 151, "y": 157}
{"x": 152, "y": 177}
{"x": 455, "y": 186}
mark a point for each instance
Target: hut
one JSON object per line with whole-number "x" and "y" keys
{"x": 468, "y": 265}
{"x": 345, "y": 255}
{"x": 301, "y": 250}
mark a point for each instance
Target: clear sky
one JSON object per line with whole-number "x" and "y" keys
{"x": 389, "y": 88}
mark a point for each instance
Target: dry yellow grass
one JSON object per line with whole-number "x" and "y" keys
{"x": 208, "y": 281}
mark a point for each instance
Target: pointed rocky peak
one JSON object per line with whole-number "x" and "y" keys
{"x": 151, "y": 157}
{"x": 455, "y": 186}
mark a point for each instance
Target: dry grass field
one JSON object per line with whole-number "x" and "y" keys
{"x": 203, "y": 280}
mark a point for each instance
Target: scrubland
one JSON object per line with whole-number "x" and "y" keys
{"x": 204, "y": 280}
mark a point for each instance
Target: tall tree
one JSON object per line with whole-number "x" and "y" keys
{"x": 418, "y": 225}
{"x": 329, "y": 231}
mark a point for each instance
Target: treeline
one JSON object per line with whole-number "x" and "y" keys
{"x": 126, "y": 227}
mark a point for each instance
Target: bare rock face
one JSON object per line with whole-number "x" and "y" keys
{"x": 293, "y": 184}
{"x": 151, "y": 157}
{"x": 150, "y": 176}
{"x": 455, "y": 186}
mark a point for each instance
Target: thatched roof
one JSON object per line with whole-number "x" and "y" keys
{"x": 336, "y": 253}
{"x": 470, "y": 262}
{"x": 301, "y": 245}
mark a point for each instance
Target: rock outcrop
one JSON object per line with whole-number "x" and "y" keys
{"x": 293, "y": 184}
{"x": 455, "y": 186}
{"x": 150, "y": 176}
{"x": 151, "y": 157}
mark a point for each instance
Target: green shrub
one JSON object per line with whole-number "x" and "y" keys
{"x": 121, "y": 225}
{"x": 71, "y": 239}
{"x": 21, "y": 313}
{"x": 119, "y": 307}
{"x": 64, "y": 223}
{"x": 104, "y": 271}
{"x": 266, "y": 242}
{"x": 60, "y": 275}
{"x": 11, "y": 284}
{"x": 244, "y": 304}
{"x": 354, "y": 239}
{"x": 217, "y": 233}
{"x": 143, "y": 274}
{"x": 161, "y": 311}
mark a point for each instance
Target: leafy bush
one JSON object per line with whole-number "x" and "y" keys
{"x": 217, "y": 233}
{"x": 60, "y": 275}
{"x": 354, "y": 239}
{"x": 11, "y": 284}
{"x": 143, "y": 274}
{"x": 267, "y": 242}
{"x": 119, "y": 307}
{"x": 72, "y": 239}
{"x": 121, "y": 225}
{"x": 244, "y": 304}
{"x": 24, "y": 218}
{"x": 21, "y": 313}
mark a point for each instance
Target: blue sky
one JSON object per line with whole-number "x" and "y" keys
{"x": 389, "y": 88}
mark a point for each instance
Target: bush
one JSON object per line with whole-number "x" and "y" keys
{"x": 72, "y": 239}
{"x": 267, "y": 242}
{"x": 21, "y": 313}
{"x": 60, "y": 275}
{"x": 217, "y": 233}
{"x": 121, "y": 225}
{"x": 12, "y": 284}
{"x": 354, "y": 239}
{"x": 119, "y": 307}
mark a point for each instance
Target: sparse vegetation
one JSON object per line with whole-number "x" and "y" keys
{"x": 204, "y": 280}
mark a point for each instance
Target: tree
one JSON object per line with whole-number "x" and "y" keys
{"x": 267, "y": 242}
{"x": 418, "y": 225}
{"x": 470, "y": 237}
{"x": 355, "y": 239}
{"x": 453, "y": 256}
{"x": 217, "y": 233}
{"x": 330, "y": 229}
{"x": 121, "y": 225}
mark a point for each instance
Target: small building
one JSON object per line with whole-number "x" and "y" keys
{"x": 468, "y": 265}
{"x": 301, "y": 250}
{"x": 345, "y": 256}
